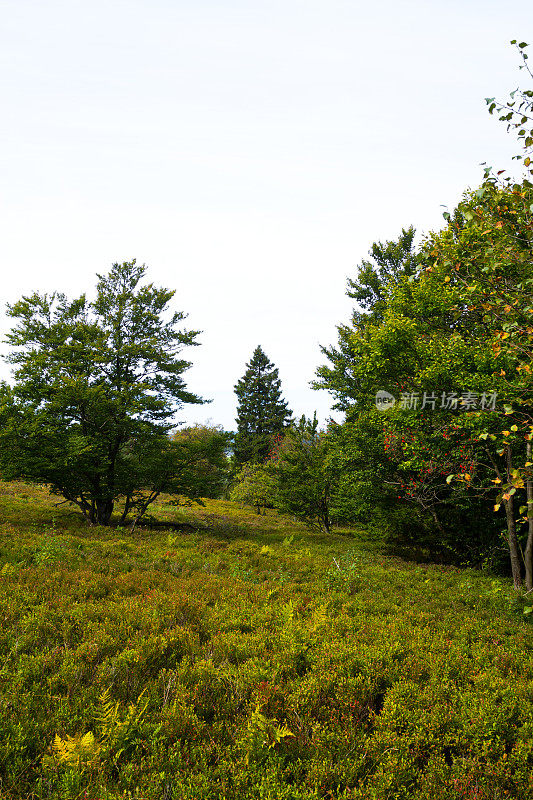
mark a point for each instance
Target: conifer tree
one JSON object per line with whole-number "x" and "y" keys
{"x": 262, "y": 412}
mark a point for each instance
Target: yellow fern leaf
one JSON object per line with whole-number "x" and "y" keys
{"x": 75, "y": 749}
{"x": 60, "y": 747}
{"x": 87, "y": 743}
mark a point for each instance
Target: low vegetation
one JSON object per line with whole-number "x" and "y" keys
{"x": 216, "y": 653}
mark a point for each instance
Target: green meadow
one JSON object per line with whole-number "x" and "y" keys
{"x": 215, "y": 653}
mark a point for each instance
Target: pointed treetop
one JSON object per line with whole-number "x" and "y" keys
{"x": 262, "y": 413}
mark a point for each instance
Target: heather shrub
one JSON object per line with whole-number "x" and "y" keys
{"x": 275, "y": 663}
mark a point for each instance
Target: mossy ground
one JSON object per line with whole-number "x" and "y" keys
{"x": 246, "y": 657}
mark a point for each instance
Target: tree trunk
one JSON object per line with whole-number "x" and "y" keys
{"x": 126, "y": 511}
{"x": 511, "y": 529}
{"x": 104, "y": 509}
{"x": 528, "y": 553}
{"x": 325, "y": 518}
{"x": 325, "y": 508}
{"x": 513, "y": 543}
{"x": 436, "y": 520}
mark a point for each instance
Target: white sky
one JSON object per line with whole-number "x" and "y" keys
{"x": 248, "y": 152}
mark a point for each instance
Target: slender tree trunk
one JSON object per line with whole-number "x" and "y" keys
{"x": 126, "y": 510}
{"x": 513, "y": 543}
{"x": 528, "y": 554}
{"x": 436, "y": 519}
{"x": 141, "y": 509}
{"x": 511, "y": 529}
{"x": 325, "y": 508}
{"x": 325, "y": 517}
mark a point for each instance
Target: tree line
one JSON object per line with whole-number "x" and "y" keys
{"x": 432, "y": 373}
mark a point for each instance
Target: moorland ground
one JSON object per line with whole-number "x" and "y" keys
{"x": 220, "y": 654}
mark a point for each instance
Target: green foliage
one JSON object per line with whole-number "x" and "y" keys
{"x": 517, "y": 110}
{"x": 261, "y": 736}
{"x": 262, "y": 414}
{"x": 453, "y": 317}
{"x": 119, "y": 737}
{"x": 255, "y": 485}
{"x": 51, "y": 552}
{"x": 120, "y": 733}
{"x": 391, "y": 262}
{"x": 460, "y": 324}
{"x": 306, "y": 477}
{"x": 96, "y": 386}
{"x": 205, "y": 467}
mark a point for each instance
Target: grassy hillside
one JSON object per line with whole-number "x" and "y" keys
{"x": 245, "y": 657}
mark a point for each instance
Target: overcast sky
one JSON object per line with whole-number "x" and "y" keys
{"x": 248, "y": 152}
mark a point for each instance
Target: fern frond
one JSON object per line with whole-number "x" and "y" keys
{"x": 75, "y": 749}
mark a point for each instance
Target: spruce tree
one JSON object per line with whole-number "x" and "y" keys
{"x": 262, "y": 413}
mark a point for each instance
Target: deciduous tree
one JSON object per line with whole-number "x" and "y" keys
{"x": 307, "y": 479}
{"x": 96, "y": 387}
{"x": 255, "y": 485}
